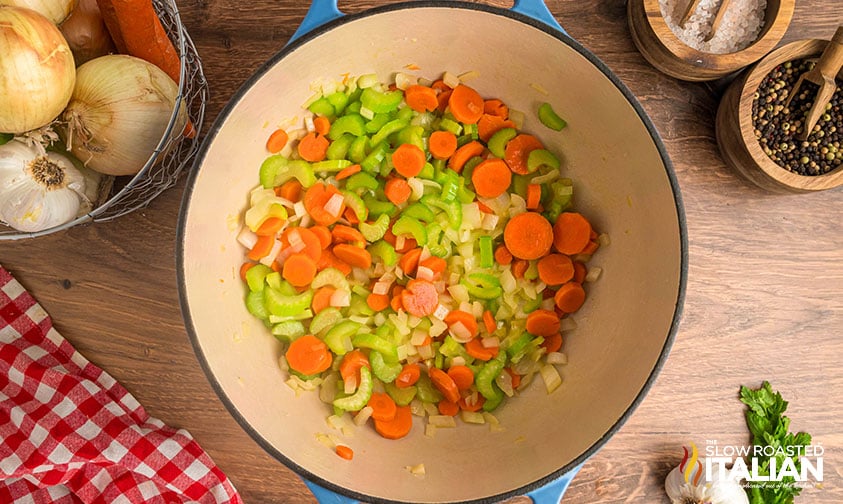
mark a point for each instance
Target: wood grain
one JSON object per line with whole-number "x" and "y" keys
{"x": 764, "y": 298}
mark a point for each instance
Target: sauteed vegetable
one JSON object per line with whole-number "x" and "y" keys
{"x": 415, "y": 252}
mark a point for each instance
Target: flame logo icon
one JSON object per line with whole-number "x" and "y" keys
{"x": 690, "y": 462}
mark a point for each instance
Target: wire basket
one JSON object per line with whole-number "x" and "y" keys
{"x": 173, "y": 152}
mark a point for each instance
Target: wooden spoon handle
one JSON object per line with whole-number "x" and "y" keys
{"x": 831, "y": 60}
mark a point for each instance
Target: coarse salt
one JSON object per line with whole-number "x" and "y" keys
{"x": 742, "y": 23}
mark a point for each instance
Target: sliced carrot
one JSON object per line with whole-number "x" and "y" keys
{"x": 383, "y": 407}
{"x": 322, "y": 125}
{"x": 534, "y": 196}
{"x": 324, "y": 235}
{"x": 476, "y": 349}
{"x": 315, "y": 199}
{"x": 489, "y": 322}
{"x": 491, "y": 178}
{"x": 448, "y": 408}
{"x": 408, "y": 159}
{"x": 474, "y": 405}
{"x": 347, "y": 234}
{"x": 329, "y": 260}
{"x": 420, "y": 298}
{"x": 310, "y": 240}
{"x": 528, "y": 235}
{"x": 408, "y": 376}
{"x": 552, "y": 343}
{"x": 344, "y": 452}
{"x": 444, "y": 384}
{"x": 435, "y": 264}
{"x": 555, "y": 269}
{"x": 463, "y": 317}
{"x": 465, "y": 104}
{"x": 351, "y": 216}
{"x": 421, "y": 98}
{"x": 397, "y": 190}
{"x": 518, "y": 150}
{"x": 571, "y": 233}
{"x": 399, "y": 426}
{"x": 290, "y": 190}
{"x": 484, "y": 207}
{"x": 245, "y": 267}
{"x": 502, "y": 255}
{"x": 299, "y": 269}
{"x": 396, "y": 304}
{"x": 322, "y": 298}
{"x": 516, "y": 378}
{"x": 490, "y": 124}
{"x": 570, "y": 297}
{"x": 463, "y": 154}
{"x": 270, "y": 226}
{"x": 352, "y": 362}
{"x": 463, "y": 376}
{"x": 542, "y": 323}
{"x": 410, "y": 261}
{"x": 442, "y": 144}
{"x": 262, "y": 248}
{"x": 277, "y": 141}
{"x": 496, "y": 107}
{"x": 377, "y": 302}
{"x": 347, "y": 172}
{"x": 590, "y": 248}
{"x": 357, "y": 257}
{"x": 580, "y": 271}
{"x": 440, "y": 86}
{"x": 519, "y": 267}
{"x": 308, "y": 355}
{"x": 313, "y": 147}
{"x": 443, "y": 97}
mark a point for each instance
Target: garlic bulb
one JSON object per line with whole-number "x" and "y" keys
{"x": 695, "y": 489}
{"x": 39, "y": 189}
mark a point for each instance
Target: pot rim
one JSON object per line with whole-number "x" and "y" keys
{"x": 563, "y": 37}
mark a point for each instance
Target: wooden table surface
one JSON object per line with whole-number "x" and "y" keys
{"x": 764, "y": 295}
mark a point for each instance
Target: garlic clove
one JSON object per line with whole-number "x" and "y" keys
{"x": 698, "y": 490}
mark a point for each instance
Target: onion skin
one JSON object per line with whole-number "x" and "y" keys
{"x": 118, "y": 114}
{"x": 37, "y": 81}
{"x": 86, "y": 33}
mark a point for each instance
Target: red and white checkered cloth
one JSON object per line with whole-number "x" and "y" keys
{"x": 69, "y": 433}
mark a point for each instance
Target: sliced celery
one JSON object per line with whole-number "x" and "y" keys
{"x": 358, "y": 400}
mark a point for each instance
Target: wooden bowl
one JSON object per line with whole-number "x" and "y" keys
{"x": 736, "y": 133}
{"x": 665, "y": 51}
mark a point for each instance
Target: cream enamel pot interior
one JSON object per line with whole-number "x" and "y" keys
{"x": 624, "y": 183}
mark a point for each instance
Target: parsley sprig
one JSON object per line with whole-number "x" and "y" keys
{"x": 769, "y": 427}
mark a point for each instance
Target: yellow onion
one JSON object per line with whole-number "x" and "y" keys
{"x": 37, "y": 71}
{"x": 86, "y": 33}
{"x": 54, "y": 10}
{"x": 119, "y": 112}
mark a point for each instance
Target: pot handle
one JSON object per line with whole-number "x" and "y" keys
{"x": 324, "y": 11}
{"x": 551, "y": 493}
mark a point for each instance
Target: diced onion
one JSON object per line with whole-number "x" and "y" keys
{"x": 424, "y": 273}
{"x": 349, "y": 384}
{"x": 461, "y": 333}
{"x": 459, "y": 292}
{"x": 418, "y": 338}
{"x": 603, "y": 239}
{"x": 491, "y": 342}
{"x": 490, "y": 222}
{"x": 381, "y": 288}
{"x": 363, "y": 416}
{"x": 308, "y": 124}
{"x": 431, "y": 409}
{"x": 399, "y": 242}
{"x": 450, "y": 80}
{"x": 367, "y": 113}
{"x": 556, "y": 358}
{"x": 403, "y": 81}
{"x": 247, "y": 238}
{"x": 273, "y": 253}
{"x": 551, "y": 377}
{"x": 567, "y": 324}
{"x": 425, "y": 352}
{"x": 296, "y": 242}
{"x": 442, "y": 421}
{"x": 417, "y": 407}
{"x": 593, "y": 274}
{"x": 334, "y": 205}
{"x": 327, "y": 392}
{"x": 474, "y": 417}
{"x": 548, "y": 304}
{"x": 430, "y": 430}
{"x": 417, "y": 188}
{"x": 340, "y": 298}
{"x": 416, "y": 470}
{"x": 441, "y": 312}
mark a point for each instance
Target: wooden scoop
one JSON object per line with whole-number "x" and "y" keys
{"x": 718, "y": 16}
{"x": 823, "y": 74}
